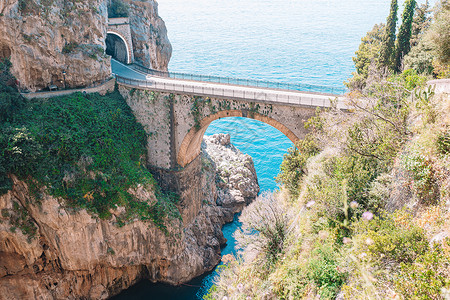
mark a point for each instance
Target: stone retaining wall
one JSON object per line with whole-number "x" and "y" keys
{"x": 102, "y": 89}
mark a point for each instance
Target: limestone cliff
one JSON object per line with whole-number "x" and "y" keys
{"x": 151, "y": 45}
{"x": 236, "y": 175}
{"x": 74, "y": 255}
{"x": 44, "y": 38}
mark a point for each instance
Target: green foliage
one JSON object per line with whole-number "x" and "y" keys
{"x": 20, "y": 150}
{"x": 423, "y": 174}
{"x": 432, "y": 52}
{"x": 392, "y": 238}
{"x": 366, "y": 56}
{"x": 6, "y": 78}
{"x": 324, "y": 271}
{"x": 19, "y": 218}
{"x": 420, "y": 58}
{"x": 439, "y": 33}
{"x": 87, "y": 149}
{"x": 359, "y": 172}
{"x": 424, "y": 105}
{"x": 197, "y": 110}
{"x": 118, "y": 9}
{"x": 383, "y": 127}
{"x": 10, "y": 99}
{"x": 443, "y": 142}
{"x": 69, "y": 47}
{"x": 293, "y": 166}
{"x": 388, "y": 42}
{"x": 420, "y": 23}
{"x": 426, "y": 277}
{"x": 403, "y": 44}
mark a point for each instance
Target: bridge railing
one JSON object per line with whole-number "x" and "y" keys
{"x": 245, "y": 82}
{"x": 284, "y": 97}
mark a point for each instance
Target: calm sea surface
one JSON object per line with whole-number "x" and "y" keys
{"x": 301, "y": 41}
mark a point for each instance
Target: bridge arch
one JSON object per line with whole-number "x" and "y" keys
{"x": 191, "y": 145}
{"x": 117, "y": 46}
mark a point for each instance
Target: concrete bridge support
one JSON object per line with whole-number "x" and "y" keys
{"x": 176, "y": 123}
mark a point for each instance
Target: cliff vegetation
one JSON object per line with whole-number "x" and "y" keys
{"x": 363, "y": 212}
{"x": 87, "y": 149}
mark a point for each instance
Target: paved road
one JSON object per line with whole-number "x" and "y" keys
{"x": 125, "y": 71}
{"x": 132, "y": 77}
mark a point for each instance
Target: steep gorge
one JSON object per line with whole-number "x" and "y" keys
{"x": 76, "y": 255}
{"x": 51, "y": 250}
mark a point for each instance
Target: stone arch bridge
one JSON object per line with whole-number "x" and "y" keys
{"x": 176, "y": 112}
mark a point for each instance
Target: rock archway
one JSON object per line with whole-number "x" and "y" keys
{"x": 119, "y": 43}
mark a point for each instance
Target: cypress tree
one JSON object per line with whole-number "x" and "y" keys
{"x": 388, "y": 42}
{"x": 404, "y": 35}
{"x": 420, "y": 23}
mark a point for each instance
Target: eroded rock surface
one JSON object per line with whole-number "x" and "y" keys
{"x": 236, "y": 176}
{"x": 43, "y": 39}
{"x": 151, "y": 45}
{"x": 74, "y": 255}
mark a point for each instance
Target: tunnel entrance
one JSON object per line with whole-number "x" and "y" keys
{"x": 117, "y": 48}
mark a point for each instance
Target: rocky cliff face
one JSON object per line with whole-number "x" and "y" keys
{"x": 43, "y": 38}
{"x": 151, "y": 45}
{"x": 236, "y": 176}
{"x": 48, "y": 251}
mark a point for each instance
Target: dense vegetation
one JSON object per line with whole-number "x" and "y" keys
{"x": 85, "y": 148}
{"x": 420, "y": 44}
{"x": 363, "y": 211}
{"x": 118, "y": 9}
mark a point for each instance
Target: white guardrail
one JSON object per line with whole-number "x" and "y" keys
{"x": 236, "y": 92}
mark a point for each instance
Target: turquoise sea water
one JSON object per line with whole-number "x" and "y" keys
{"x": 292, "y": 41}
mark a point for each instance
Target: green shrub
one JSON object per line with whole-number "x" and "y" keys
{"x": 118, "y": 9}
{"x": 412, "y": 79}
{"x": 69, "y": 47}
{"x": 294, "y": 162}
{"x": 426, "y": 277}
{"x": 443, "y": 142}
{"x": 324, "y": 271}
{"x": 393, "y": 239}
{"x": 423, "y": 174}
{"x": 87, "y": 149}
{"x": 19, "y": 218}
{"x": 420, "y": 58}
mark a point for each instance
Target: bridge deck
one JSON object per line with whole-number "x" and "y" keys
{"x": 133, "y": 78}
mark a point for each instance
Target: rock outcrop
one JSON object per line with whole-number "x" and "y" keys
{"x": 49, "y": 251}
{"x": 45, "y": 38}
{"x": 151, "y": 45}
{"x": 236, "y": 176}
{"x": 62, "y": 43}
